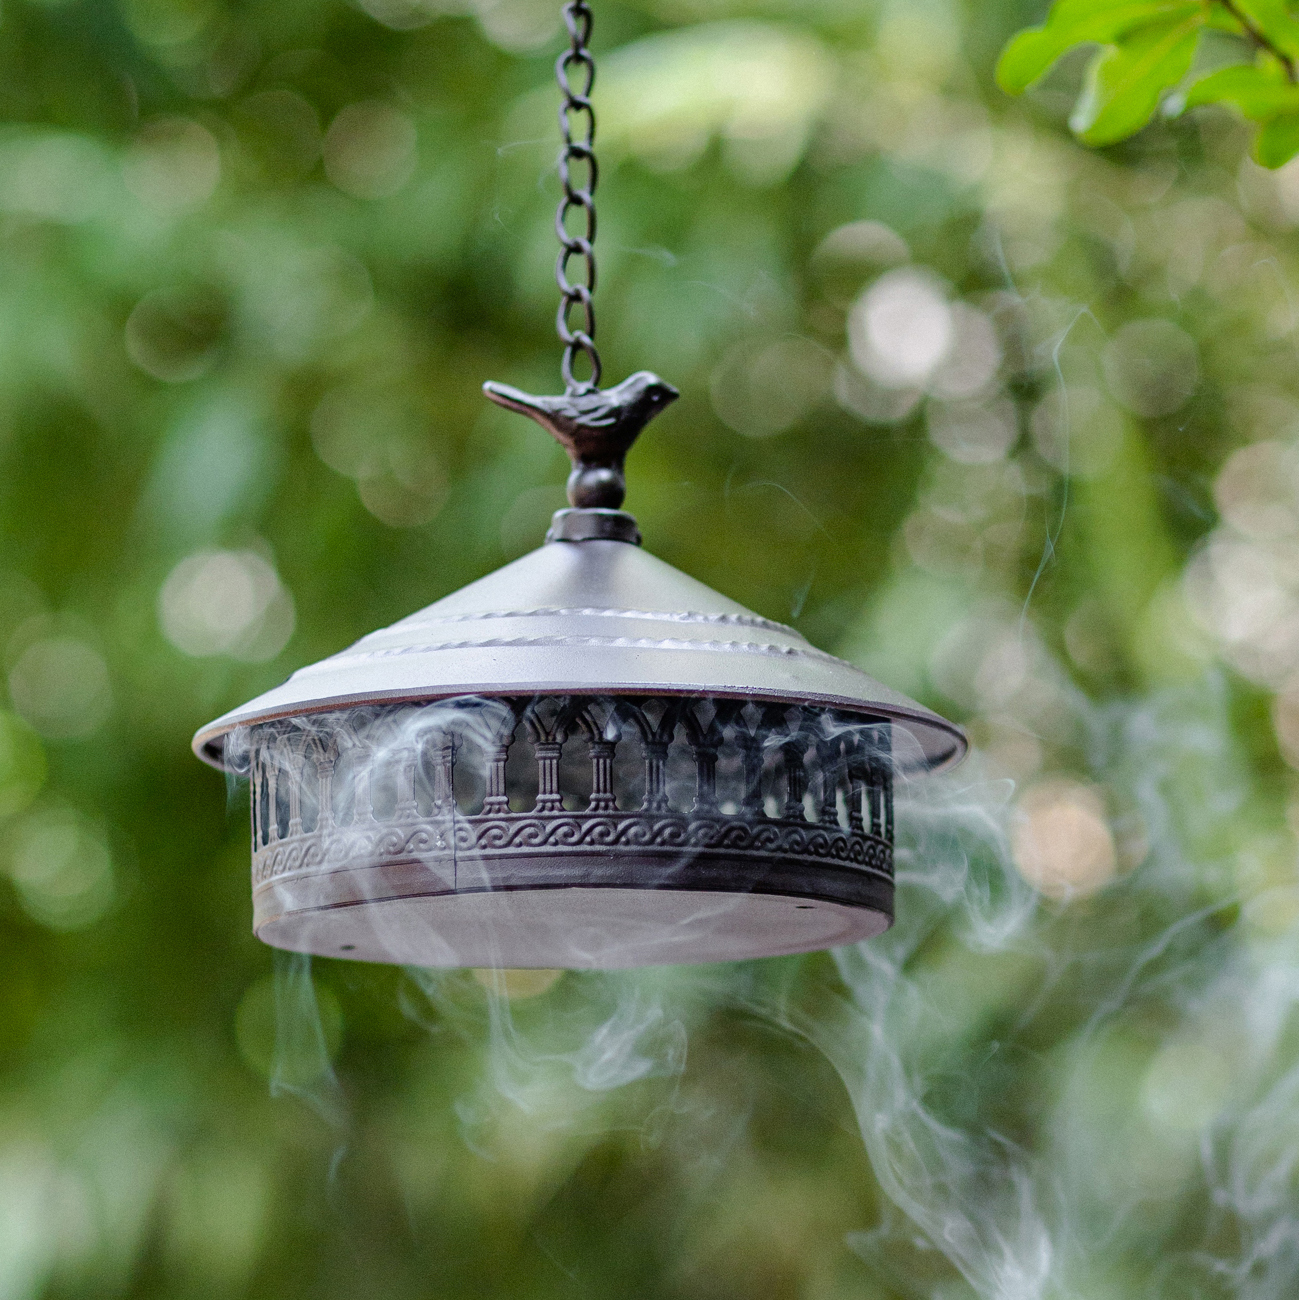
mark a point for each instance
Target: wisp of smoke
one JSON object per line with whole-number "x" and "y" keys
{"x": 1042, "y": 1085}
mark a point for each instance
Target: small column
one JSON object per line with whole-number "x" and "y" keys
{"x": 856, "y": 793}
{"x": 549, "y": 800}
{"x": 255, "y": 773}
{"x": 272, "y": 810}
{"x": 362, "y": 808}
{"x": 705, "y": 780}
{"x": 751, "y": 748}
{"x": 656, "y": 767}
{"x": 795, "y": 779}
{"x": 497, "y": 801}
{"x": 886, "y": 783}
{"x": 888, "y": 802}
{"x": 444, "y": 796}
{"x": 406, "y": 810}
{"x": 294, "y": 769}
{"x": 325, "y": 814}
{"x": 830, "y": 757}
{"x": 602, "y": 796}
{"x": 877, "y": 796}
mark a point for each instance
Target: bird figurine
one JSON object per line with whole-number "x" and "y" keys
{"x": 596, "y": 428}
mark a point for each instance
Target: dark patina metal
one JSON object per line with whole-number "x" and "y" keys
{"x": 579, "y": 198}
{"x": 403, "y": 810}
{"x": 596, "y": 428}
{"x": 586, "y": 758}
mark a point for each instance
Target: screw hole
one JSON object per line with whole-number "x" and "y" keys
{"x": 347, "y": 947}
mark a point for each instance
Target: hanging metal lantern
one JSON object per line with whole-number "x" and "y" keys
{"x": 587, "y": 758}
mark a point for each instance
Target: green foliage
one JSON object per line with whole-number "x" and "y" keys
{"x": 1013, "y": 426}
{"x": 1125, "y": 82}
{"x": 22, "y": 765}
{"x": 1148, "y": 49}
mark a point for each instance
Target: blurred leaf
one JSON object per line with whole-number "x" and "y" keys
{"x": 1124, "y": 83}
{"x": 1262, "y": 93}
{"x": 1272, "y": 19}
{"x": 22, "y": 764}
{"x": 1278, "y": 141}
{"x": 1258, "y": 91}
{"x": 1149, "y": 48}
{"x": 1031, "y": 54}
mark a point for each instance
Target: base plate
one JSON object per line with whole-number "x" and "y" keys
{"x": 573, "y": 928}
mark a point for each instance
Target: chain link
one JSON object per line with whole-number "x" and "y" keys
{"x": 577, "y": 101}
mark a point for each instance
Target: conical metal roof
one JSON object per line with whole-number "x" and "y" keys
{"x": 593, "y": 616}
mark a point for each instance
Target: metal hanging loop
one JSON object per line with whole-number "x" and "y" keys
{"x": 577, "y": 126}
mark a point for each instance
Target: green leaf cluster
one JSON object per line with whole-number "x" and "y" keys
{"x": 1147, "y": 52}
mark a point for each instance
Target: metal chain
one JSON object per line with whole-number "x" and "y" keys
{"x": 577, "y": 17}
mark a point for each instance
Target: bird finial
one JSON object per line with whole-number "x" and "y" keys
{"x": 596, "y": 428}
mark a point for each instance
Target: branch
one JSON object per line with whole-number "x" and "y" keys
{"x": 1261, "y": 40}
